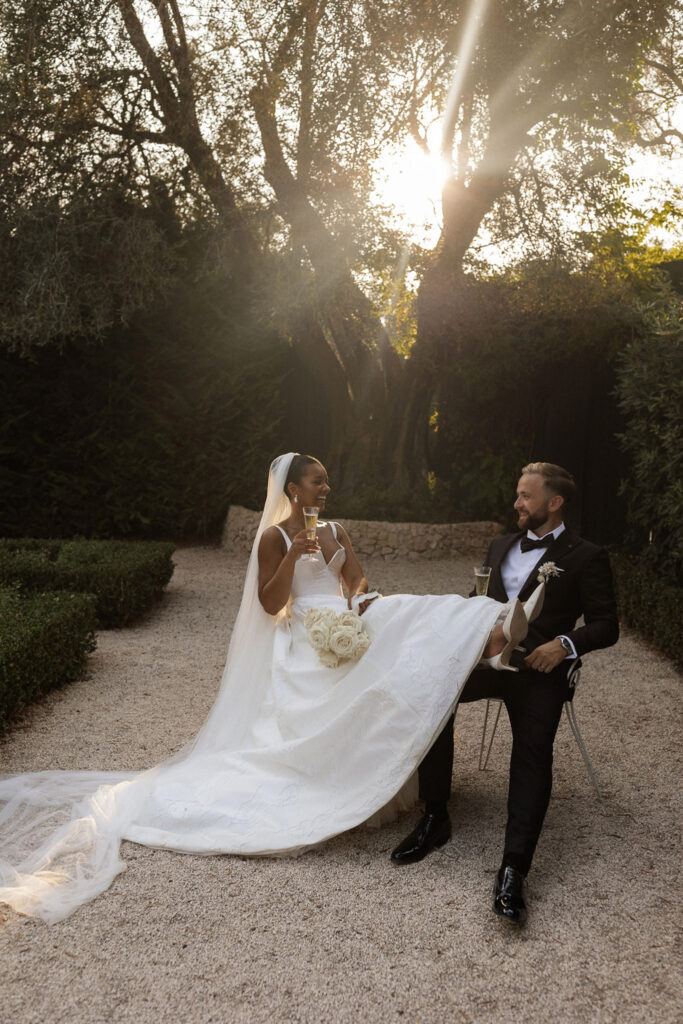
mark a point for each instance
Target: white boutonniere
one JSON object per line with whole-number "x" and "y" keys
{"x": 547, "y": 571}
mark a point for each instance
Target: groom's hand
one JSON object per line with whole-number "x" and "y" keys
{"x": 546, "y": 657}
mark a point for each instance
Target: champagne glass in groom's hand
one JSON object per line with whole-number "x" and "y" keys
{"x": 482, "y": 575}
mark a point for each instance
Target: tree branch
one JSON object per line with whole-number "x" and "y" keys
{"x": 328, "y": 261}
{"x": 283, "y": 54}
{"x": 168, "y": 100}
{"x": 464, "y": 206}
{"x": 167, "y": 29}
{"x": 179, "y": 116}
{"x": 661, "y": 139}
{"x": 180, "y": 25}
{"x": 414, "y": 131}
{"x": 180, "y": 56}
{"x": 136, "y": 134}
{"x": 313, "y": 13}
{"x": 666, "y": 70}
{"x": 465, "y": 136}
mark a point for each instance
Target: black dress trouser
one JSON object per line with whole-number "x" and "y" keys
{"x": 534, "y": 703}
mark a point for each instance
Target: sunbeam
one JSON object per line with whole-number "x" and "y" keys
{"x": 469, "y": 38}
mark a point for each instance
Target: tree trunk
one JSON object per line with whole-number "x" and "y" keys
{"x": 209, "y": 172}
{"x": 464, "y": 208}
{"x": 371, "y": 369}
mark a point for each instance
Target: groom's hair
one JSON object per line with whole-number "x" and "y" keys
{"x": 555, "y": 479}
{"x": 297, "y": 467}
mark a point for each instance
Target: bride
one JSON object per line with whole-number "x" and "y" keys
{"x": 293, "y": 751}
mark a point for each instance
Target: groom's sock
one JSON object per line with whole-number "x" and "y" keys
{"x": 437, "y": 808}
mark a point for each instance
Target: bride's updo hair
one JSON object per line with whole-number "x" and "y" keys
{"x": 296, "y": 469}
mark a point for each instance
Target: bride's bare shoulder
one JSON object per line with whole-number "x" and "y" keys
{"x": 342, "y": 535}
{"x": 272, "y": 540}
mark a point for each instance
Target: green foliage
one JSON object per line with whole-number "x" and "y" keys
{"x": 44, "y": 641}
{"x": 625, "y": 252}
{"x": 650, "y": 396}
{"x": 152, "y": 433}
{"x": 482, "y": 483}
{"x": 53, "y": 286}
{"x": 523, "y": 376}
{"x": 649, "y": 603}
{"x": 82, "y": 104}
{"x": 126, "y": 577}
{"x": 78, "y": 269}
{"x": 394, "y": 504}
{"x": 45, "y": 550}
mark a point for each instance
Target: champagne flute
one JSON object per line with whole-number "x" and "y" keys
{"x": 311, "y": 526}
{"x": 482, "y": 575}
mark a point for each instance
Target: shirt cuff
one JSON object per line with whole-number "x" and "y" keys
{"x": 572, "y": 654}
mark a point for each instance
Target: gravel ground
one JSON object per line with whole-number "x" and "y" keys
{"x": 340, "y": 934}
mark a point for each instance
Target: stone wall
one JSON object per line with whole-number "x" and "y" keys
{"x": 414, "y": 541}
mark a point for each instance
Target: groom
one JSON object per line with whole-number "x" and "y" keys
{"x": 580, "y": 583}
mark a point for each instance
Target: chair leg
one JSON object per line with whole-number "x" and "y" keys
{"x": 571, "y": 715}
{"x": 484, "y": 758}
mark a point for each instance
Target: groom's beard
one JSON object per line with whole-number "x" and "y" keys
{"x": 530, "y": 521}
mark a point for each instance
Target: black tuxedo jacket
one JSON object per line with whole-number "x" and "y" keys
{"x": 584, "y": 587}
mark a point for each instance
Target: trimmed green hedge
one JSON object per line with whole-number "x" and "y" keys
{"x": 126, "y": 577}
{"x": 649, "y": 603}
{"x": 153, "y": 429}
{"x": 44, "y": 641}
{"x": 650, "y": 395}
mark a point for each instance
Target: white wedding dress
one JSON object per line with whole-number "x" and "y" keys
{"x": 291, "y": 753}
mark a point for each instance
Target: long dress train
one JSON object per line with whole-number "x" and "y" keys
{"x": 292, "y": 753}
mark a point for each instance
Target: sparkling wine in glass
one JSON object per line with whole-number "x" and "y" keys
{"x": 482, "y": 575}
{"x": 311, "y": 526}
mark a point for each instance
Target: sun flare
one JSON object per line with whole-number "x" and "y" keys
{"x": 411, "y": 181}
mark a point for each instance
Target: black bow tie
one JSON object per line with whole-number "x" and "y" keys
{"x": 527, "y": 544}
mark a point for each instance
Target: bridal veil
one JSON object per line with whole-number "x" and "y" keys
{"x": 60, "y": 831}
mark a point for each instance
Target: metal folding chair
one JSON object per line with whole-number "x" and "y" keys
{"x": 572, "y": 680}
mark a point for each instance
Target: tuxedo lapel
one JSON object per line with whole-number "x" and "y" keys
{"x": 553, "y": 553}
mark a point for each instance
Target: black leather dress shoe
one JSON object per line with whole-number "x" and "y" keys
{"x": 508, "y": 895}
{"x": 429, "y": 833}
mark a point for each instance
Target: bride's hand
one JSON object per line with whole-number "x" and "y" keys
{"x": 301, "y": 545}
{"x": 362, "y": 606}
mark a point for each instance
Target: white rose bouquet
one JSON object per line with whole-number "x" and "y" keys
{"x": 335, "y": 637}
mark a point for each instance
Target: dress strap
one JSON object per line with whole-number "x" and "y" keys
{"x": 287, "y": 540}
{"x": 333, "y": 527}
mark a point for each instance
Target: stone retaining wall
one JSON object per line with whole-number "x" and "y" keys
{"x": 414, "y": 541}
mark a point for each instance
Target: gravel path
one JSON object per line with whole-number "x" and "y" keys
{"x": 340, "y": 934}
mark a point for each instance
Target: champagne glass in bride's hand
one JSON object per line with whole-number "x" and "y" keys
{"x": 482, "y": 575}
{"x": 311, "y": 526}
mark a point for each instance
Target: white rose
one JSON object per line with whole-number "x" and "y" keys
{"x": 350, "y": 619}
{"x": 328, "y": 659}
{"x": 342, "y": 640}
{"x": 318, "y": 637}
{"x": 318, "y": 622}
{"x": 318, "y": 616}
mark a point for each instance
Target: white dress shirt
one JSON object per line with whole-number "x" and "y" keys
{"x": 517, "y": 565}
